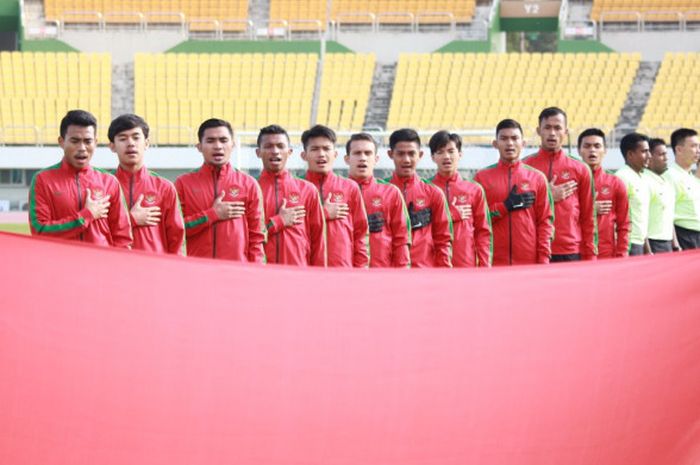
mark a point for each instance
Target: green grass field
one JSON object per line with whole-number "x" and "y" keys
{"x": 20, "y": 228}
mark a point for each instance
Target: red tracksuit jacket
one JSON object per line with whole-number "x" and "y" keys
{"x": 574, "y": 217}
{"x": 388, "y": 247}
{"x": 522, "y": 236}
{"x": 169, "y": 235}
{"x": 239, "y": 239}
{"x": 57, "y": 206}
{"x": 348, "y": 243}
{"x": 432, "y": 246}
{"x": 300, "y": 244}
{"x": 613, "y": 228}
{"x": 472, "y": 237}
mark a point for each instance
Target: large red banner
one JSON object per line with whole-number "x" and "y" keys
{"x": 114, "y": 357}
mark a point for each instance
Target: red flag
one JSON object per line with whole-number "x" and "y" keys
{"x": 111, "y": 357}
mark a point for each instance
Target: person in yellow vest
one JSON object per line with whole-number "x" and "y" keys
{"x": 662, "y": 237}
{"x": 686, "y": 148}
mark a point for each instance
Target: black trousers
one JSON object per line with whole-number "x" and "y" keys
{"x": 660, "y": 246}
{"x": 636, "y": 249}
{"x": 572, "y": 257}
{"x": 687, "y": 238}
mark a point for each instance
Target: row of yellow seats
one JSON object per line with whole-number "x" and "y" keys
{"x": 61, "y": 9}
{"x": 674, "y": 100}
{"x": 497, "y": 87}
{"x": 35, "y": 121}
{"x": 32, "y": 74}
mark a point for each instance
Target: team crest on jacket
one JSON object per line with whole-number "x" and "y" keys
{"x": 462, "y": 199}
{"x": 377, "y": 202}
{"x": 234, "y": 191}
{"x": 525, "y": 186}
{"x": 294, "y": 198}
{"x": 566, "y": 175}
{"x": 337, "y": 197}
{"x": 420, "y": 202}
{"x": 97, "y": 193}
{"x": 605, "y": 190}
{"x": 150, "y": 198}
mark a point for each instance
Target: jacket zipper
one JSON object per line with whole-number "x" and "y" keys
{"x": 447, "y": 193}
{"x": 277, "y": 210}
{"x": 213, "y": 228}
{"x": 510, "y": 224}
{"x": 80, "y": 199}
{"x": 131, "y": 191}
{"x": 549, "y": 175}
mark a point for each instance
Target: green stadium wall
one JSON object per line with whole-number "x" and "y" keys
{"x": 46, "y": 45}
{"x": 254, "y": 46}
{"x": 582, "y": 46}
{"x": 466, "y": 46}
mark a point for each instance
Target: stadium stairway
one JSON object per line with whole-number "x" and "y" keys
{"x": 122, "y": 88}
{"x": 380, "y": 95}
{"x": 637, "y": 98}
{"x": 259, "y": 11}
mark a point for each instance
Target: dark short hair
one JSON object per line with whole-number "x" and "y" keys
{"x": 655, "y": 142}
{"x": 441, "y": 138}
{"x": 551, "y": 111}
{"x": 508, "y": 124}
{"x": 591, "y": 132}
{"x": 271, "y": 130}
{"x": 630, "y": 142}
{"x": 80, "y": 118}
{"x": 126, "y": 122}
{"x": 318, "y": 131}
{"x": 360, "y": 136}
{"x": 680, "y": 135}
{"x": 213, "y": 123}
{"x": 403, "y": 135}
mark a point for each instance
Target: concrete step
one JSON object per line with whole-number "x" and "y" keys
{"x": 637, "y": 99}
{"x": 380, "y": 95}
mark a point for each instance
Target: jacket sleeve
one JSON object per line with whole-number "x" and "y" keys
{"x": 172, "y": 221}
{"x": 483, "y": 239}
{"x": 360, "y": 230}
{"x": 441, "y": 229}
{"x": 400, "y": 232}
{"x": 194, "y": 222}
{"x": 587, "y": 219}
{"x": 119, "y": 217}
{"x": 544, "y": 204}
{"x": 622, "y": 219}
{"x": 497, "y": 210}
{"x": 40, "y": 220}
{"x": 317, "y": 229}
{"x": 255, "y": 216}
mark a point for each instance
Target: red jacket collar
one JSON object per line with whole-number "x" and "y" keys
{"x": 547, "y": 154}
{"x": 445, "y": 179}
{"x": 505, "y": 165}
{"x": 281, "y": 175}
{"x": 122, "y": 174}
{"x": 224, "y": 170}
{"x": 364, "y": 182}
{"x": 318, "y": 177}
{"x": 69, "y": 169}
{"x": 410, "y": 180}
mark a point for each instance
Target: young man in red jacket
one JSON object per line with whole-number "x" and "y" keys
{"x": 73, "y": 200}
{"x": 346, "y": 218}
{"x": 470, "y": 216}
{"x": 222, "y": 207}
{"x": 293, "y": 213}
{"x": 431, "y": 227}
{"x": 612, "y": 206}
{"x": 572, "y": 188}
{"x": 156, "y": 219}
{"x": 389, "y": 229}
{"x": 519, "y": 201}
